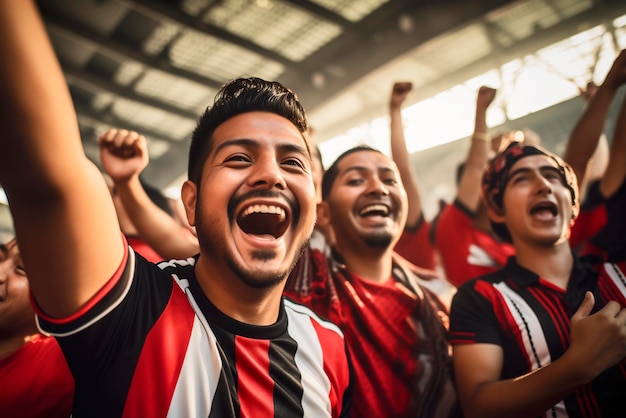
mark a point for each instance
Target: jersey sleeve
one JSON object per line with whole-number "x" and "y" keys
{"x": 103, "y": 342}
{"x": 472, "y": 318}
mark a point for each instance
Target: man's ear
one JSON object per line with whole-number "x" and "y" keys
{"x": 323, "y": 215}
{"x": 189, "y": 197}
{"x": 496, "y": 216}
{"x": 575, "y": 213}
{"x": 323, "y": 223}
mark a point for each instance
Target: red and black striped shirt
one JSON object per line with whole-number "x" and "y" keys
{"x": 152, "y": 345}
{"x": 530, "y": 319}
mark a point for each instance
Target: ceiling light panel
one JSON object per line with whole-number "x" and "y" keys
{"x": 524, "y": 18}
{"x": 274, "y": 25}
{"x": 127, "y": 72}
{"x": 620, "y": 22}
{"x": 159, "y": 38}
{"x": 157, "y": 120}
{"x": 195, "y": 7}
{"x": 569, "y": 8}
{"x": 453, "y": 52}
{"x": 575, "y": 58}
{"x": 211, "y": 57}
{"x": 353, "y": 10}
{"x": 101, "y": 101}
{"x": 620, "y": 31}
{"x": 177, "y": 91}
{"x": 157, "y": 148}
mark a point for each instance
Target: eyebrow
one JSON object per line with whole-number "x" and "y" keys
{"x": 361, "y": 168}
{"x": 247, "y": 142}
{"x": 6, "y": 248}
{"x": 528, "y": 169}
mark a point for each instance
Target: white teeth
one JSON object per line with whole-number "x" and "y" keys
{"x": 375, "y": 208}
{"x": 266, "y": 209}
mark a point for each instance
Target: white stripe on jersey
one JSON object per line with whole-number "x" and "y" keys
{"x": 199, "y": 376}
{"x": 479, "y": 257}
{"x": 529, "y": 325}
{"x": 310, "y": 361}
{"x": 614, "y": 272}
{"x": 301, "y": 309}
{"x": 200, "y": 372}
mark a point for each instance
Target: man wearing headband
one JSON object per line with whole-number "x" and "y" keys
{"x": 546, "y": 334}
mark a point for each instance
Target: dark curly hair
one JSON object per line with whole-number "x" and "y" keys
{"x": 234, "y": 98}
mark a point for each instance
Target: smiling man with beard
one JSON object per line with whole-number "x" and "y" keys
{"x": 208, "y": 336}
{"x": 394, "y": 325}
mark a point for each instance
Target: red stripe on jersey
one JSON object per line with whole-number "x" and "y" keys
{"x": 255, "y": 388}
{"x": 587, "y": 402}
{"x": 339, "y": 374}
{"x": 157, "y": 371}
{"x": 608, "y": 288}
{"x": 554, "y": 308}
{"x": 503, "y": 314}
{"x": 457, "y": 337}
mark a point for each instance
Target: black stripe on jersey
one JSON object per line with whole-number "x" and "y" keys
{"x": 288, "y": 390}
{"x": 226, "y": 389}
{"x": 283, "y": 369}
{"x": 225, "y": 403}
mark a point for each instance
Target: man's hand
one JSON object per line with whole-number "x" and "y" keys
{"x": 123, "y": 153}
{"x": 399, "y": 93}
{"x": 485, "y": 97}
{"x": 589, "y": 91}
{"x": 598, "y": 341}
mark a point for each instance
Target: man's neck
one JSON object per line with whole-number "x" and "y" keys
{"x": 375, "y": 265}
{"x": 552, "y": 264}
{"x": 236, "y": 299}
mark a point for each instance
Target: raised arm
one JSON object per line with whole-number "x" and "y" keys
{"x": 400, "y": 154}
{"x": 589, "y": 128}
{"x": 597, "y": 343}
{"x": 468, "y": 192}
{"x": 64, "y": 217}
{"x": 124, "y": 155}
{"x": 615, "y": 173}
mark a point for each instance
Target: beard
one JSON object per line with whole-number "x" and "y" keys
{"x": 263, "y": 279}
{"x": 378, "y": 239}
{"x": 213, "y": 243}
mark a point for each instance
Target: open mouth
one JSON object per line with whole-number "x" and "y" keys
{"x": 545, "y": 209}
{"x": 263, "y": 220}
{"x": 374, "y": 210}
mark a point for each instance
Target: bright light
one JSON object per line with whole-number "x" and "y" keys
{"x": 524, "y": 86}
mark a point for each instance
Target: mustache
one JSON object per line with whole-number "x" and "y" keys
{"x": 236, "y": 201}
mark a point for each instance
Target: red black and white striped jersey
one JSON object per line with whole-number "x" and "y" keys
{"x": 152, "y": 345}
{"x": 530, "y": 319}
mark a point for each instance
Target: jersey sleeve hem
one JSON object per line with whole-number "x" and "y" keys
{"x": 98, "y": 306}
